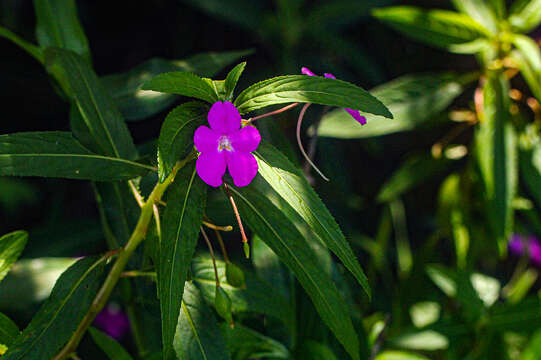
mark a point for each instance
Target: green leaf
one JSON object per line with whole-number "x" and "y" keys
{"x": 176, "y": 135}
{"x": 532, "y": 351}
{"x": 480, "y": 11}
{"x": 521, "y": 317}
{"x": 288, "y": 181}
{"x": 58, "y": 318}
{"x": 30, "y": 282}
{"x": 101, "y": 116}
{"x": 427, "y": 340}
{"x": 198, "y": 336}
{"x": 182, "y": 83}
{"x": 58, "y": 154}
{"x": 413, "y": 172}
{"x": 497, "y": 157}
{"x": 137, "y": 104}
{"x": 58, "y": 26}
{"x": 445, "y": 29}
{"x": 181, "y": 221}
{"x": 284, "y": 239}
{"x": 313, "y": 350}
{"x": 23, "y": 44}
{"x": 244, "y": 343}
{"x": 413, "y": 100}
{"x": 268, "y": 267}
{"x": 222, "y": 304}
{"x": 11, "y": 247}
{"x": 256, "y": 296}
{"x": 530, "y": 49}
{"x": 8, "y": 331}
{"x": 530, "y": 171}
{"x": 398, "y": 355}
{"x": 525, "y": 15}
{"x": 110, "y": 347}
{"x": 232, "y": 79}
{"x": 308, "y": 89}
{"x": 532, "y": 77}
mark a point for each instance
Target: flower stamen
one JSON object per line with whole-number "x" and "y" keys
{"x": 224, "y": 143}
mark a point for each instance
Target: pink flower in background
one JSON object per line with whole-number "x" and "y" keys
{"x": 354, "y": 113}
{"x": 113, "y": 321}
{"x": 526, "y": 246}
{"x": 225, "y": 144}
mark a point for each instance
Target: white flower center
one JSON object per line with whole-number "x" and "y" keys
{"x": 224, "y": 143}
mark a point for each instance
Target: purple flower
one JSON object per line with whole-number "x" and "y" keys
{"x": 113, "y": 321}
{"x": 226, "y": 144}
{"x": 354, "y": 113}
{"x": 526, "y": 245}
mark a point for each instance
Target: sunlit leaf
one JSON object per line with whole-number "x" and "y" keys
{"x": 182, "y": 83}
{"x": 428, "y": 340}
{"x": 232, "y": 79}
{"x": 525, "y": 15}
{"x": 58, "y": 318}
{"x": 480, "y": 11}
{"x": 445, "y": 29}
{"x": 58, "y": 154}
{"x": 398, "y": 355}
{"x": 413, "y": 100}
{"x": 11, "y": 247}
{"x": 244, "y": 343}
{"x": 181, "y": 221}
{"x": 308, "y": 89}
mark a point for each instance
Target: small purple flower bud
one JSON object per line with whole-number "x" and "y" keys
{"x": 113, "y": 321}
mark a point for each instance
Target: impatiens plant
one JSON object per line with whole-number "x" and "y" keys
{"x": 265, "y": 191}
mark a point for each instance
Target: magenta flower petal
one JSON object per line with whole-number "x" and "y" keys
{"x": 357, "y": 116}
{"x": 224, "y": 117}
{"x": 247, "y": 139}
{"x": 331, "y": 76}
{"x": 210, "y": 167}
{"x": 242, "y": 167}
{"x": 205, "y": 139}
{"x": 307, "y": 71}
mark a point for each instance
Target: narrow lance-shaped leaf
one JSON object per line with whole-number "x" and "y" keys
{"x": 11, "y": 247}
{"x": 58, "y": 154}
{"x": 497, "y": 157}
{"x": 182, "y": 83}
{"x": 530, "y": 50}
{"x": 308, "y": 89}
{"x": 198, "y": 336}
{"x": 445, "y": 29}
{"x": 290, "y": 183}
{"x": 181, "y": 221}
{"x": 110, "y": 346}
{"x": 8, "y": 331}
{"x": 232, "y": 79}
{"x": 58, "y": 25}
{"x": 137, "y": 104}
{"x": 525, "y": 15}
{"x": 480, "y": 11}
{"x": 530, "y": 171}
{"x": 100, "y": 114}
{"x": 25, "y": 45}
{"x": 58, "y": 318}
{"x": 413, "y": 99}
{"x": 284, "y": 239}
{"x": 176, "y": 135}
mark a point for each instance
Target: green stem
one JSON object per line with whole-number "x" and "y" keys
{"x": 138, "y": 235}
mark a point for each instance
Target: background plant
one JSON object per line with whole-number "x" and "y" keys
{"x": 466, "y": 137}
